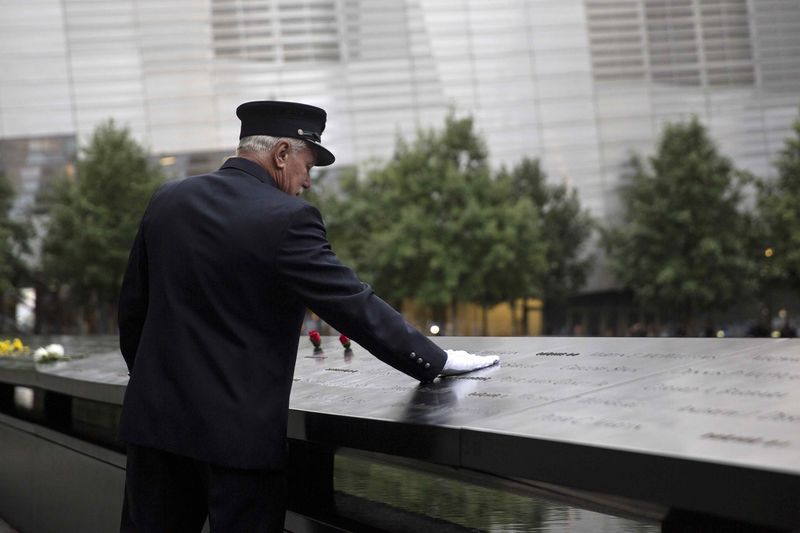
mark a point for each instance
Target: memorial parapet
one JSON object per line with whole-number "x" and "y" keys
{"x": 706, "y": 425}
{"x": 710, "y": 426}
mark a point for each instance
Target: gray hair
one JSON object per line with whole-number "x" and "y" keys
{"x": 265, "y": 143}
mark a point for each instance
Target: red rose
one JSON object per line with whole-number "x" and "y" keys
{"x": 313, "y": 335}
{"x": 345, "y": 342}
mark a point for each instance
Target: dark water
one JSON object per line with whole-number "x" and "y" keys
{"x": 416, "y": 500}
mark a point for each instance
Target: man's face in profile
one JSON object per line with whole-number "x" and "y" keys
{"x": 296, "y": 173}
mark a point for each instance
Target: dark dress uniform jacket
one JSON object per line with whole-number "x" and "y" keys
{"x": 211, "y": 306}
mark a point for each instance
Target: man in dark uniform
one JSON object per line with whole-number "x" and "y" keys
{"x": 219, "y": 277}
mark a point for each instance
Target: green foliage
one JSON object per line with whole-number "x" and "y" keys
{"x": 432, "y": 225}
{"x": 565, "y": 230}
{"x": 511, "y": 252}
{"x": 779, "y": 214}
{"x": 93, "y": 219}
{"x": 682, "y": 247}
{"x": 13, "y": 243}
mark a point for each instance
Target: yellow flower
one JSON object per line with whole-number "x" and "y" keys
{"x": 13, "y": 347}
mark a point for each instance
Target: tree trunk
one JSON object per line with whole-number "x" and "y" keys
{"x": 554, "y": 316}
{"x": 90, "y": 315}
{"x": 687, "y": 324}
{"x": 112, "y": 318}
{"x": 524, "y": 319}
{"x": 4, "y": 319}
{"x": 515, "y": 325}
{"x": 454, "y": 318}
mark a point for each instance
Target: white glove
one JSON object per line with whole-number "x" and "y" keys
{"x": 459, "y": 362}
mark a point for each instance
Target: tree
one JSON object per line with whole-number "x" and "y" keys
{"x": 510, "y": 250}
{"x": 682, "y": 246}
{"x": 93, "y": 221}
{"x": 431, "y": 224}
{"x": 565, "y": 230}
{"x": 14, "y": 245}
{"x": 779, "y": 216}
{"x": 409, "y": 229}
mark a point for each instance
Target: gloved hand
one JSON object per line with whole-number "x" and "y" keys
{"x": 459, "y": 362}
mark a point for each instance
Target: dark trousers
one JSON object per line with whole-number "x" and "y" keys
{"x": 168, "y": 493}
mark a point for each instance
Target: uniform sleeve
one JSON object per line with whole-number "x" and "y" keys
{"x": 133, "y": 300}
{"x": 310, "y": 269}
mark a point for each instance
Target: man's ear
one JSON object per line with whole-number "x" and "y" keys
{"x": 281, "y": 154}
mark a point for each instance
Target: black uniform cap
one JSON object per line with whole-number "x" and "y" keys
{"x": 286, "y": 119}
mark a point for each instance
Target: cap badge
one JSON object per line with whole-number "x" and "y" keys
{"x": 309, "y": 135}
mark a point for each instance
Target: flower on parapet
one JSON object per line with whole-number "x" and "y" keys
{"x": 315, "y": 338}
{"x": 345, "y": 342}
{"x": 55, "y": 350}
{"x": 13, "y": 348}
{"x": 49, "y": 353}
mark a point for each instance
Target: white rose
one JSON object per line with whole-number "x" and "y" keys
{"x": 39, "y": 354}
{"x": 55, "y": 350}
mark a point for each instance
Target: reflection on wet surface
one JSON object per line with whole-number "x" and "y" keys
{"x": 399, "y": 498}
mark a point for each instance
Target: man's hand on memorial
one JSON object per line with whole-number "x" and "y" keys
{"x": 459, "y": 362}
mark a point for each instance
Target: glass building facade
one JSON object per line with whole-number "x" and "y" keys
{"x": 579, "y": 84}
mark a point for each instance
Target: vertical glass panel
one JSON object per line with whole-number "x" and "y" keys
{"x": 298, "y": 31}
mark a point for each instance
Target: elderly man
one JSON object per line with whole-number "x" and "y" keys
{"x": 219, "y": 277}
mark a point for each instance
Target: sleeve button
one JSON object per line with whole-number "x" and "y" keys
{"x": 420, "y": 361}
{"x": 427, "y": 365}
{"x": 412, "y": 355}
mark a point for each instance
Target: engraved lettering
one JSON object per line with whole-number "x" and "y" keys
{"x": 351, "y": 399}
{"x": 729, "y": 437}
{"x": 539, "y": 397}
{"x": 474, "y": 411}
{"x": 710, "y": 411}
{"x": 663, "y": 387}
{"x": 754, "y": 374}
{"x": 678, "y": 356}
{"x": 520, "y": 365}
{"x": 562, "y": 381}
{"x": 735, "y": 391}
{"x": 591, "y": 421}
{"x": 486, "y": 394}
{"x": 780, "y": 416}
{"x": 611, "y": 403}
{"x": 745, "y": 439}
{"x": 777, "y": 358}
{"x": 565, "y": 419}
{"x": 617, "y": 424}
{"x": 654, "y": 355}
{"x": 584, "y": 368}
